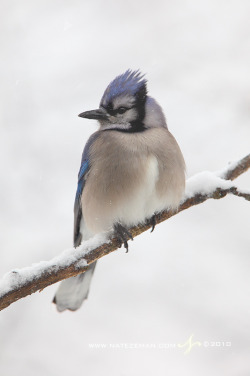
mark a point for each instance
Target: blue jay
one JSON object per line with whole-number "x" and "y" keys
{"x": 131, "y": 168}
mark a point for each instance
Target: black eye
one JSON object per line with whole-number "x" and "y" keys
{"x": 121, "y": 110}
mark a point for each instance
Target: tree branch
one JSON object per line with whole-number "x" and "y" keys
{"x": 201, "y": 187}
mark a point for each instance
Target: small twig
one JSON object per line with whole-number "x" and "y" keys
{"x": 236, "y": 169}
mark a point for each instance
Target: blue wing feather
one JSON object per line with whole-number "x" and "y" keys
{"x": 82, "y": 176}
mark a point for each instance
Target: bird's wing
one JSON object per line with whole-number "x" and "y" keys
{"x": 82, "y": 176}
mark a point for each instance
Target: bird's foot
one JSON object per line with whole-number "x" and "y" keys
{"x": 123, "y": 235}
{"x": 152, "y": 221}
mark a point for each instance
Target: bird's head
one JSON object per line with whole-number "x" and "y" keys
{"x": 125, "y": 105}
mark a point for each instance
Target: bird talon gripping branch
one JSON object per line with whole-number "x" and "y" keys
{"x": 123, "y": 235}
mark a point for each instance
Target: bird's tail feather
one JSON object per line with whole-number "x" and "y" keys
{"x": 72, "y": 291}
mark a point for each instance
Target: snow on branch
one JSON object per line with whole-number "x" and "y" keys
{"x": 22, "y": 282}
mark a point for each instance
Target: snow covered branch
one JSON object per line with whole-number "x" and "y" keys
{"x": 22, "y": 282}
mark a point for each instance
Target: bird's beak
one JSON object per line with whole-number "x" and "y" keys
{"x": 99, "y": 114}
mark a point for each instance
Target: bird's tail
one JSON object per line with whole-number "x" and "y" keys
{"x": 72, "y": 291}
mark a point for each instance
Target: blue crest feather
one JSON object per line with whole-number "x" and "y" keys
{"x": 129, "y": 82}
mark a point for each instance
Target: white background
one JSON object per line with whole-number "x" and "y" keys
{"x": 191, "y": 276}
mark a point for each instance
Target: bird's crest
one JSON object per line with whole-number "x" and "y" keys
{"x": 130, "y": 83}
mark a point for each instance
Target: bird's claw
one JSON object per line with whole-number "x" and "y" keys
{"x": 153, "y": 222}
{"x": 123, "y": 235}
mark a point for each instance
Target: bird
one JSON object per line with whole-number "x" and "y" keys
{"x": 131, "y": 169}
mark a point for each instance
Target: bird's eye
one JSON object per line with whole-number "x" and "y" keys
{"x": 121, "y": 110}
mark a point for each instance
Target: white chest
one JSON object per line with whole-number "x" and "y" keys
{"x": 144, "y": 202}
